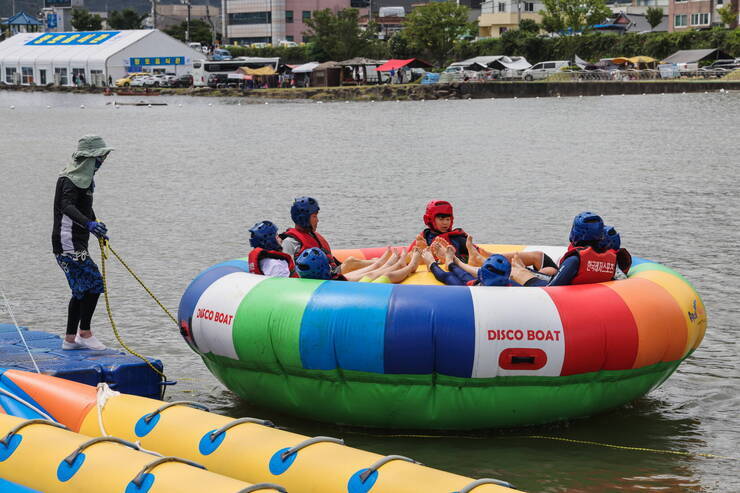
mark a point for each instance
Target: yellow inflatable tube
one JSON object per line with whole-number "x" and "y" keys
{"x": 251, "y": 451}
{"x": 245, "y": 449}
{"x": 42, "y": 456}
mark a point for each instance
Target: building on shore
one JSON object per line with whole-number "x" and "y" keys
{"x": 499, "y": 16}
{"x": 173, "y": 14}
{"x": 273, "y": 21}
{"x": 92, "y": 58}
{"x": 21, "y": 23}
{"x": 698, "y": 14}
{"x": 633, "y": 22}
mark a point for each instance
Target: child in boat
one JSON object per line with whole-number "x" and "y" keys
{"x": 494, "y": 271}
{"x": 391, "y": 267}
{"x": 612, "y": 241}
{"x": 439, "y": 219}
{"x": 588, "y": 259}
{"x": 267, "y": 257}
{"x": 303, "y": 235}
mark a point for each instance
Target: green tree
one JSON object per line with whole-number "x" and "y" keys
{"x": 529, "y": 26}
{"x": 125, "y": 19}
{"x": 728, "y": 15}
{"x": 399, "y": 46}
{"x": 434, "y": 29}
{"x": 200, "y": 31}
{"x": 573, "y": 15}
{"x": 654, "y": 16}
{"x": 83, "y": 20}
{"x": 337, "y": 36}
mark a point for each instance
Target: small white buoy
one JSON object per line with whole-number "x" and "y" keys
{"x": 622, "y": 95}
{"x": 179, "y": 105}
{"x": 423, "y": 99}
{"x": 48, "y": 107}
{"x": 12, "y": 107}
{"x": 266, "y": 102}
{"x": 643, "y": 94}
{"x": 210, "y": 104}
{"x": 492, "y": 99}
{"x": 239, "y": 103}
{"x": 580, "y": 96}
{"x": 82, "y": 106}
{"x": 446, "y": 99}
{"x": 117, "y": 107}
{"x": 558, "y": 96}
{"x": 722, "y": 91}
{"x": 346, "y": 102}
{"x": 601, "y": 95}
{"x": 705, "y": 92}
{"x": 470, "y": 99}
{"x": 372, "y": 100}
{"x": 662, "y": 94}
{"x": 683, "y": 92}
{"x": 149, "y": 105}
{"x": 537, "y": 97}
{"x": 398, "y": 100}
{"x": 515, "y": 97}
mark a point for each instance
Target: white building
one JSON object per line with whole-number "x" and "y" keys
{"x": 99, "y": 56}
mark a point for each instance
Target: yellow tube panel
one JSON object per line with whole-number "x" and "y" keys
{"x": 34, "y": 461}
{"x": 247, "y": 448}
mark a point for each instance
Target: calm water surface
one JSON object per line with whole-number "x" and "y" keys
{"x": 187, "y": 180}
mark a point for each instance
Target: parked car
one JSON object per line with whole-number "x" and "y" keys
{"x": 126, "y": 81}
{"x": 142, "y": 81}
{"x": 543, "y": 70}
{"x": 218, "y": 80}
{"x": 182, "y": 81}
{"x": 287, "y": 44}
{"x": 221, "y": 54}
{"x": 719, "y": 68}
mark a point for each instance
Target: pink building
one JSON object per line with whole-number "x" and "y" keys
{"x": 273, "y": 21}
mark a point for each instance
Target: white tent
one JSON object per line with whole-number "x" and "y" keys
{"x": 305, "y": 68}
{"x": 59, "y": 58}
{"x": 513, "y": 62}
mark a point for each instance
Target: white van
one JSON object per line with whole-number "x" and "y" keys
{"x": 543, "y": 70}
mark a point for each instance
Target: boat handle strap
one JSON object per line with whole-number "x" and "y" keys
{"x": 263, "y": 486}
{"x": 383, "y": 461}
{"x": 147, "y": 468}
{"x": 195, "y": 405}
{"x": 480, "y": 482}
{"x": 239, "y": 421}
{"x": 308, "y": 442}
{"x": 29, "y": 422}
{"x": 70, "y": 459}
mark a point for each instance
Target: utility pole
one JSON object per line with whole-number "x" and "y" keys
{"x": 187, "y": 28}
{"x": 154, "y": 14}
{"x": 224, "y": 24}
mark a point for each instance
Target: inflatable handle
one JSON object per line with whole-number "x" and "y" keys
{"x": 263, "y": 486}
{"x": 481, "y": 482}
{"x": 308, "y": 442}
{"x": 380, "y": 463}
{"x": 147, "y": 468}
{"x": 196, "y": 405}
{"x": 70, "y": 459}
{"x": 228, "y": 426}
{"x": 20, "y": 426}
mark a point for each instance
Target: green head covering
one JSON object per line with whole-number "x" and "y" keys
{"x": 82, "y": 167}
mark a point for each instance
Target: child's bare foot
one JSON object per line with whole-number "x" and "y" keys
{"x": 474, "y": 257}
{"x": 450, "y": 254}
{"x": 427, "y": 257}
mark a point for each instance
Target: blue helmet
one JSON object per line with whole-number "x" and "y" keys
{"x": 611, "y": 240}
{"x": 313, "y": 264}
{"x": 495, "y": 271}
{"x": 301, "y": 210}
{"x": 587, "y": 227}
{"x": 264, "y": 235}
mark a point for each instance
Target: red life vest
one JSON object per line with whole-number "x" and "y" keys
{"x": 594, "y": 266}
{"x": 258, "y": 254}
{"x": 310, "y": 240}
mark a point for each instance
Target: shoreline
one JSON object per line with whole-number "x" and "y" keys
{"x": 418, "y": 92}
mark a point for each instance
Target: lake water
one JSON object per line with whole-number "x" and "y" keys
{"x": 187, "y": 181}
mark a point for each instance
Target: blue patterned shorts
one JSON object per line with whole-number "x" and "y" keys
{"x": 82, "y": 274}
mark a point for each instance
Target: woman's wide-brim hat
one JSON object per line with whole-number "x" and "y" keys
{"x": 91, "y": 146}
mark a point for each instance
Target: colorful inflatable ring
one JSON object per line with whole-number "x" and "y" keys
{"x": 440, "y": 357}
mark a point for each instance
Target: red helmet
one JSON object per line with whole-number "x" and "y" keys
{"x": 436, "y": 207}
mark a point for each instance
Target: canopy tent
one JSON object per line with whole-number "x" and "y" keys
{"x": 500, "y": 62}
{"x": 395, "y": 64}
{"x": 693, "y": 56}
{"x": 266, "y": 70}
{"x": 305, "y": 68}
{"x": 361, "y": 61}
{"x": 635, "y": 60}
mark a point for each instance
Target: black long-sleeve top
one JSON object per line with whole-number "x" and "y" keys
{"x": 72, "y": 211}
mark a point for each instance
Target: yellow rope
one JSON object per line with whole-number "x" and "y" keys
{"x": 560, "y": 439}
{"x": 103, "y": 257}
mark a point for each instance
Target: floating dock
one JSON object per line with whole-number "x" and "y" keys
{"x": 121, "y": 371}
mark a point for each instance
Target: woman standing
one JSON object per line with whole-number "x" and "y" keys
{"x": 74, "y": 220}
